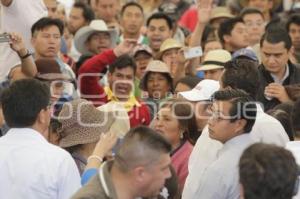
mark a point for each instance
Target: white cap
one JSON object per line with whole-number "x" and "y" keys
{"x": 202, "y": 92}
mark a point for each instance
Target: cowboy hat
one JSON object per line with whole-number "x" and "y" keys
{"x": 85, "y": 32}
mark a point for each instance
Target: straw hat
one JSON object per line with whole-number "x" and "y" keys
{"x": 121, "y": 125}
{"x": 83, "y": 34}
{"x": 167, "y": 45}
{"x": 215, "y": 59}
{"x": 276, "y": 3}
{"x": 82, "y": 123}
{"x": 220, "y": 12}
{"x": 157, "y": 67}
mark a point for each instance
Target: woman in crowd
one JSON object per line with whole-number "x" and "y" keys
{"x": 157, "y": 84}
{"x": 81, "y": 127}
{"x": 176, "y": 122}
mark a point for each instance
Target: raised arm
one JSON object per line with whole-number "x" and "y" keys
{"x": 17, "y": 44}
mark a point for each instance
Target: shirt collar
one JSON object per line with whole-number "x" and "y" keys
{"x": 28, "y": 132}
{"x": 280, "y": 81}
{"x": 128, "y": 105}
{"x": 239, "y": 140}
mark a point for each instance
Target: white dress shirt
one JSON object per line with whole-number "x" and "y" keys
{"x": 30, "y": 167}
{"x": 220, "y": 180}
{"x": 266, "y": 129}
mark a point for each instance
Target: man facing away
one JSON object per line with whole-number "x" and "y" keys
{"x": 140, "y": 168}
{"x": 30, "y": 166}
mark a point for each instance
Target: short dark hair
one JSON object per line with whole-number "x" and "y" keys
{"x": 46, "y": 22}
{"x": 248, "y": 11}
{"x": 122, "y": 61}
{"x": 227, "y": 26}
{"x": 282, "y": 112}
{"x": 267, "y": 171}
{"x": 242, "y": 106}
{"x": 140, "y": 146}
{"x": 160, "y": 15}
{"x": 293, "y": 19}
{"x": 23, "y": 101}
{"x": 242, "y": 74}
{"x": 87, "y": 12}
{"x": 190, "y": 81}
{"x": 275, "y": 35}
{"x": 132, "y": 3}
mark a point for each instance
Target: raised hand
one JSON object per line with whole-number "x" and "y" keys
{"x": 125, "y": 47}
{"x": 204, "y": 8}
{"x": 17, "y": 44}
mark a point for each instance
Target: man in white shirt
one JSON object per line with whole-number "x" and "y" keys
{"x": 238, "y": 74}
{"x": 233, "y": 116}
{"x": 17, "y": 16}
{"x": 30, "y": 166}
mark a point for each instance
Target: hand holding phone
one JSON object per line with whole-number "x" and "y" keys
{"x": 193, "y": 52}
{"x": 4, "y": 37}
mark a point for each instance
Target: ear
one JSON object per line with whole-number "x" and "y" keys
{"x": 33, "y": 41}
{"x": 43, "y": 116}
{"x": 240, "y": 125}
{"x": 242, "y": 193}
{"x": 139, "y": 174}
{"x": 227, "y": 38}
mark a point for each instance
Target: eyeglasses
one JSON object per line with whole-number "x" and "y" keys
{"x": 218, "y": 116}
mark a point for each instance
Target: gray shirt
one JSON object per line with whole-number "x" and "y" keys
{"x": 220, "y": 180}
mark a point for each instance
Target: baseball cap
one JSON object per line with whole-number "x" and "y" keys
{"x": 202, "y": 92}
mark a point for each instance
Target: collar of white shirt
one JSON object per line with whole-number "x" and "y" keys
{"x": 28, "y": 132}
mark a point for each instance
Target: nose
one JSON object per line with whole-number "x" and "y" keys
{"x": 271, "y": 59}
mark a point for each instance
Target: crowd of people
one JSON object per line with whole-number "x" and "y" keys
{"x": 163, "y": 99}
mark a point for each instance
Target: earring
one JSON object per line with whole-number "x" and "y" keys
{"x": 181, "y": 135}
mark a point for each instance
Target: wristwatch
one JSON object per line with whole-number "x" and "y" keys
{"x": 26, "y": 55}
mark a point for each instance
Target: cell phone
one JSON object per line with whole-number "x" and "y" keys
{"x": 4, "y": 37}
{"x": 193, "y": 52}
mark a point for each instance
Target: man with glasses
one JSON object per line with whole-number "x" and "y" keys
{"x": 242, "y": 74}
{"x": 232, "y": 119}
{"x": 255, "y": 24}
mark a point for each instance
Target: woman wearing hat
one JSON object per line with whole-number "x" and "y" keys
{"x": 176, "y": 121}
{"x": 81, "y": 127}
{"x": 157, "y": 83}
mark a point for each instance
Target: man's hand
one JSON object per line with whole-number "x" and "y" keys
{"x": 125, "y": 47}
{"x": 204, "y": 8}
{"x": 17, "y": 44}
{"x": 278, "y": 91}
